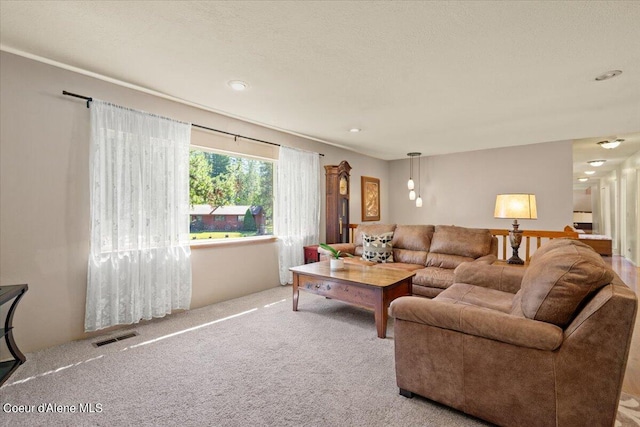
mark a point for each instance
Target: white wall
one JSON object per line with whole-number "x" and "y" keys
{"x": 582, "y": 200}
{"x": 461, "y": 189}
{"x": 44, "y": 198}
{"x": 630, "y": 209}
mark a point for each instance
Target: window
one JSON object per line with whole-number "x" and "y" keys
{"x": 231, "y": 196}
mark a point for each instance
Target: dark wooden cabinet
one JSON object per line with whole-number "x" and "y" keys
{"x": 337, "y": 220}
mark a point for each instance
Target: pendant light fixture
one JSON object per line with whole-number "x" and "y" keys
{"x": 410, "y": 183}
{"x": 419, "y": 199}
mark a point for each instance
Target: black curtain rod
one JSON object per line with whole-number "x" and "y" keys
{"x": 234, "y": 135}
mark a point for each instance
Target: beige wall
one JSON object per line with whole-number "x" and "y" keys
{"x": 44, "y": 198}
{"x": 461, "y": 189}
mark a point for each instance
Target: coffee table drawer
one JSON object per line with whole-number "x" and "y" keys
{"x": 341, "y": 291}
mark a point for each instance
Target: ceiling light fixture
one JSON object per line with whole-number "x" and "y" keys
{"x": 610, "y": 144}
{"x": 582, "y": 179}
{"x": 419, "y": 199}
{"x": 355, "y": 130}
{"x": 596, "y": 163}
{"x": 608, "y": 75}
{"x": 589, "y": 172}
{"x": 238, "y": 85}
{"x": 410, "y": 183}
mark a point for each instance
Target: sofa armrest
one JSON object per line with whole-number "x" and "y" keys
{"x": 345, "y": 248}
{"x": 478, "y": 321}
{"x": 487, "y": 259}
{"x": 501, "y": 278}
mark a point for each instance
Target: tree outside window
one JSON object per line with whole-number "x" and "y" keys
{"x": 230, "y": 196}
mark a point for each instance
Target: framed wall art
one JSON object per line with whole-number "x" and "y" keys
{"x": 370, "y": 188}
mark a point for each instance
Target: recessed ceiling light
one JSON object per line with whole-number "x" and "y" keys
{"x": 589, "y": 172}
{"x": 608, "y": 75}
{"x": 355, "y": 130}
{"x": 610, "y": 144}
{"x": 238, "y": 85}
{"x": 596, "y": 163}
{"x": 582, "y": 179}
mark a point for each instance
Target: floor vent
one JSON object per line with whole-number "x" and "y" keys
{"x": 115, "y": 339}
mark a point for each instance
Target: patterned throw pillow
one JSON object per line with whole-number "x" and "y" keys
{"x": 377, "y": 248}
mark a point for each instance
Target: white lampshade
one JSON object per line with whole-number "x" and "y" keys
{"x": 412, "y": 195}
{"x": 410, "y": 184}
{"x": 419, "y": 202}
{"x": 516, "y": 206}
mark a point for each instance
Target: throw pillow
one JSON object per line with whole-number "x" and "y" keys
{"x": 377, "y": 248}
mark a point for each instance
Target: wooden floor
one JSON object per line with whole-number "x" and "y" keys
{"x": 631, "y": 276}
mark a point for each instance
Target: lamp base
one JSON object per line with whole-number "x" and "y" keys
{"x": 515, "y": 259}
{"x": 515, "y": 237}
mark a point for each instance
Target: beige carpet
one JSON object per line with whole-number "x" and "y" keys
{"x": 246, "y": 362}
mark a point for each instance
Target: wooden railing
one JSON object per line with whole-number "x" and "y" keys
{"x": 528, "y": 236}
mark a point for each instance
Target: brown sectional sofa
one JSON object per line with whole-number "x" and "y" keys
{"x": 433, "y": 252}
{"x": 545, "y": 345}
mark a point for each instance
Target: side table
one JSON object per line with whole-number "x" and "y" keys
{"x": 311, "y": 254}
{"x": 8, "y": 293}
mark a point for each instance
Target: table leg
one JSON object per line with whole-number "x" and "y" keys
{"x": 296, "y": 292}
{"x": 381, "y": 315}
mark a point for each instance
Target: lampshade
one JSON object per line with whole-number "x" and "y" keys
{"x": 516, "y": 206}
{"x": 412, "y": 195}
{"x": 410, "y": 184}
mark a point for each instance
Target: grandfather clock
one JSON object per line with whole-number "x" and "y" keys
{"x": 337, "y": 202}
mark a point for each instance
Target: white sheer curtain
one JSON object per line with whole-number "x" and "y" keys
{"x": 297, "y": 207}
{"x": 139, "y": 261}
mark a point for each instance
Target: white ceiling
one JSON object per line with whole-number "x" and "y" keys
{"x": 435, "y": 77}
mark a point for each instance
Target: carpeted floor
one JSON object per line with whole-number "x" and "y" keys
{"x": 246, "y": 362}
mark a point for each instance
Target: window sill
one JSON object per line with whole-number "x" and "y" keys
{"x": 205, "y": 243}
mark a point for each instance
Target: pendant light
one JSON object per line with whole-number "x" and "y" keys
{"x": 419, "y": 199}
{"x": 410, "y": 183}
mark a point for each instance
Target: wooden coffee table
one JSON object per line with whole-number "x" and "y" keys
{"x": 361, "y": 285}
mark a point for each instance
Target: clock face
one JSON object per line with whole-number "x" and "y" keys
{"x": 343, "y": 185}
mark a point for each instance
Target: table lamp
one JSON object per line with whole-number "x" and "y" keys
{"x": 516, "y": 206}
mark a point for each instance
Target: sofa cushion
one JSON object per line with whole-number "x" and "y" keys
{"x": 400, "y": 266}
{"x": 377, "y": 247}
{"x": 558, "y": 281}
{"x": 371, "y": 229}
{"x": 411, "y": 243}
{"x": 463, "y": 293}
{"x": 446, "y": 260}
{"x": 462, "y": 241}
{"x": 434, "y": 277}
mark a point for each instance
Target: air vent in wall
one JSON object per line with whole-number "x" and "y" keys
{"x": 115, "y": 339}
